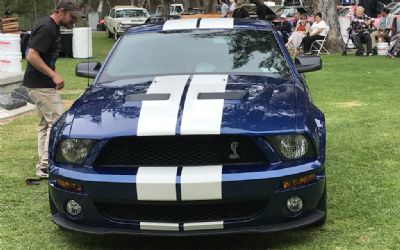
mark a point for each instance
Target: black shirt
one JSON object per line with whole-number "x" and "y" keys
{"x": 45, "y": 38}
{"x": 240, "y": 13}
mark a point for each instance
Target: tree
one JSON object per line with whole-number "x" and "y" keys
{"x": 329, "y": 14}
{"x": 210, "y": 6}
{"x": 165, "y": 7}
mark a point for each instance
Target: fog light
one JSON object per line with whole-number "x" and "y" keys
{"x": 294, "y": 204}
{"x": 73, "y": 208}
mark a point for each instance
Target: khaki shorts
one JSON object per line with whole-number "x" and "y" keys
{"x": 49, "y": 106}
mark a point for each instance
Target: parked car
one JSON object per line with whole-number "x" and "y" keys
{"x": 193, "y": 11}
{"x": 158, "y": 19}
{"x": 251, "y": 8}
{"x": 123, "y": 17}
{"x": 292, "y": 3}
{"x": 174, "y": 9}
{"x": 224, "y": 139}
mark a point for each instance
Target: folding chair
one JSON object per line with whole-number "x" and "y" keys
{"x": 318, "y": 46}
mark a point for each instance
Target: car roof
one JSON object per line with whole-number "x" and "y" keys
{"x": 128, "y": 7}
{"x": 202, "y": 24}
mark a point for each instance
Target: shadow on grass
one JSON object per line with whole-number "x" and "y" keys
{"x": 239, "y": 241}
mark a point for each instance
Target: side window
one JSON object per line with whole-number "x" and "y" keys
{"x": 112, "y": 14}
{"x": 179, "y": 9}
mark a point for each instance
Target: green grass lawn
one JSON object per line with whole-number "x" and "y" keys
{"x": 360, "y": 99}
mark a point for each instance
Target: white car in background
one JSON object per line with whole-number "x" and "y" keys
{"x": 122, "y": 18}
{"x": 174, "y": 9}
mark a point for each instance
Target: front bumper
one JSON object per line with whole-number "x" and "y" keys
{"x": 257, "y": 184}
{"x": 302, "y": 222}
{"x": 125, "y": 27}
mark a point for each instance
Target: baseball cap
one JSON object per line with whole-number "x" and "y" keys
{"x": 71, "y": 6}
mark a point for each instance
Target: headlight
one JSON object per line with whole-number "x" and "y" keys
{"x": 292, "y": 146}
{"x": 119, "y": 26}
{"x": 73, "y": 150}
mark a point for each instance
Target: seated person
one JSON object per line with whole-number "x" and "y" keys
{"x": 318, "y": 31}
{"x": 296, "y": 20}
{"x": 301, "y": 30}
{"x": 384, "y": 27}
{"x": 394, "y": 47}
{"x": 359, "y": 29}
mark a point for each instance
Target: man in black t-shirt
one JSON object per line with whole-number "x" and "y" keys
{"x": 41, "y": 77}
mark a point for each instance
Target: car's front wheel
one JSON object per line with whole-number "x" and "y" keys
{"x": 108, "y": 33}
{"x": 116, "y": 36}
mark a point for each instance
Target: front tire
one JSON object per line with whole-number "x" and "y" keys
{"x": 108, "y": 33}
{"x": 116, "y": 36}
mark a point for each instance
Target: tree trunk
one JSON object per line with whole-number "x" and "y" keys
{"x": 210, "y": 6}
{"x": 329, "y": 15}
{"x": 165, "y": 7}
{"x": 100, "y": 7}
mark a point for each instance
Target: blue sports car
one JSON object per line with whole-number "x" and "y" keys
{"x": 191, "y": 127}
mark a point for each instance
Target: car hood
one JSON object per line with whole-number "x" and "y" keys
{"x": 198, "y": 105}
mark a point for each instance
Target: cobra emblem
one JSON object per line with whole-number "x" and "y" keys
{"x": 234, "y": 155}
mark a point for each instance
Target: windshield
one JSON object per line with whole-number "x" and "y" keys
{"x": 196, "y": 52}
{"x": 130, "y": 13}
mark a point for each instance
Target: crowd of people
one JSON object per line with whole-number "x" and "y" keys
{"x": 304, "y": 33}
{"x": 363, "y": 30}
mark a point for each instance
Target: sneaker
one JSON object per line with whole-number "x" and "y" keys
{"x": 370, "y": 54}
{"x": 42, "y": 172}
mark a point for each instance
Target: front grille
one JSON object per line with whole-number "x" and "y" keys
{"x": 180, "y": 151}
{"x": 180, "y": 212}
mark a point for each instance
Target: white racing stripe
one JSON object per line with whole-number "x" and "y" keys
{"x": 180, "y": 24}
{"x": 159, "y": 117}
{"x": 216, "y": 23}
{"x": 159, "y": 226}
{"x": 156, "y": 183}
{"x": 201, "y": 183}
{"x": 203, "y": 225}
{"x": 203, "y": 116}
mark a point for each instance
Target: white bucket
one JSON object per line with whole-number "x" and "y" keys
{"x": 382, "y": 48}
{"x": 82, "y": 42}
{"x": 10, "y": 43}
{"x": 11, "y": 62}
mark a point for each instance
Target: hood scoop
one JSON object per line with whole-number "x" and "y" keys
{"x": 237, "y": 95}
{"x": 147, "y": 97}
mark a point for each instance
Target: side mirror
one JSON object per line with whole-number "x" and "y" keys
{"x": 87, "y": 69}
{"x": 307, "y": 63}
